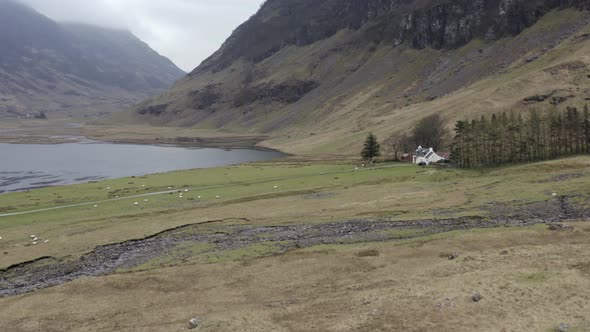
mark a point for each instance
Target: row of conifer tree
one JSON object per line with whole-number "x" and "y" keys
{"x": 514, "y": 138}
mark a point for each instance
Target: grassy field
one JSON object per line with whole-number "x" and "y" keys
{"x": 531, "y": 279}
{"x": 270, "y": 193}
{"x": 338, "y": 288}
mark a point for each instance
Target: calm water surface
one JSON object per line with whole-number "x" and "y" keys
{"x": 28, "y": 166}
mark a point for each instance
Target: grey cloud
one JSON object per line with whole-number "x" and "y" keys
{"x": 186, "y": 31}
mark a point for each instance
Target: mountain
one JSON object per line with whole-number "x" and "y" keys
{"x": 73, "y": 68}
{"x": 316, "y": 76}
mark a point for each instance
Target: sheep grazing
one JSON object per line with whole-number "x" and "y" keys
{"x": 0, "y": 237}
{"x": 276, "y": 187}
{"x": 46, "y": 241}
{"x": 186, "y": 190}
{"x": 136, "y": 203}
{"x": 35, "y": 239}
{"x": 199, "y": 197}
{"x": 32, "y": 236}
{"x": 96, "y": 206}
{"x": 554, "y": 194}
{"x": 108, "y": 188}
{"x": 146, "y": 200}
{"x": 34, "y": 243}
{"x": 218, "y": 197}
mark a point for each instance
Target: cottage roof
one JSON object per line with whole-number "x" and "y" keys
{"x": 422, "y": 152}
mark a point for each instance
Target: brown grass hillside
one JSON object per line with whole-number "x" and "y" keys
{"x": 322, "y": 98}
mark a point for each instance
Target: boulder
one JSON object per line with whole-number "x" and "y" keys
{"x": 476, "y": 297}
{"x": 194, "y": 323}
{"x": 562, "y": 328}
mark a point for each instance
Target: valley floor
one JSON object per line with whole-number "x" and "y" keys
{"x": 304, "y": 246}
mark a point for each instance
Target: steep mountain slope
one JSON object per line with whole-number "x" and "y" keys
{"x": 316, "y": 76}
{"x": 46, "y": 66}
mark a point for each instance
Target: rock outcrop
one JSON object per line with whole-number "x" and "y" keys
{"x": 347, "y": 67}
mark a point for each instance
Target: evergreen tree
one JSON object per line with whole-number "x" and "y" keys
{"x": 372, "y": 149}
{"x": 507, "y": 138}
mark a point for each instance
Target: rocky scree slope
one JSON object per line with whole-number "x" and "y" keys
{"x": 47, "y": 66}
{"x": 319, "y": 75}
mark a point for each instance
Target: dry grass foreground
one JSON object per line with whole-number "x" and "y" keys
{"x": 531, "y": 279}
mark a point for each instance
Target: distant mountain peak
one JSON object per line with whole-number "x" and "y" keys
{"x": 49, "y": 66}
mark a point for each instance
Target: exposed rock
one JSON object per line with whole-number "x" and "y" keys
{"x": 562, "y": 328}
{"x": 194, "y": 323}
{"x": 205, "y": 98}
{"x": 537, "y": 98}
{"x": 153, "y": 110}
{"x": 287, "y": 93}
{"x": 476, "y": 297}
{"x": 559, "y": 227}
{"x": 453, "y": 256}
{"x": 558, "y": 100}
{"x": 421, "y": 24}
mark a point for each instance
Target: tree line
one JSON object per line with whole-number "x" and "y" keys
{"x": 514, "y": 138}
{"x": 430, "y": 132}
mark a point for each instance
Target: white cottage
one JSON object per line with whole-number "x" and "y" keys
{"x": 425, "y": 156}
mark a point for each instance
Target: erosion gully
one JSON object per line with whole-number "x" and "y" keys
{"x": 104, "y": 260}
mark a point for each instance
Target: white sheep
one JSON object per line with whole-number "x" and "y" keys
{"x": 199, "y": 197}
{"x": 186, "y": 190}
{"x": 0, "y": 237}
{"x": 146, "y": 200}
{"x": 276, "y": 187}
{"x": 218, "y": 197}
{"x": 136, "y": 203}
{"x": 32, "y": 236}
{"x": 96, "y": 206}
{"x": 34, "y": 243}
{"x": 46, "y": 241}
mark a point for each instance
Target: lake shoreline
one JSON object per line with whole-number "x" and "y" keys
{"x": 226, "y": 143}
{"x": 34, "y": 166}
{"x": 59, "y": 132}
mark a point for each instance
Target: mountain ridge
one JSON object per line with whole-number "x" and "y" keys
{"x": 324, "y": 94}
{"x": 73, "y": 68}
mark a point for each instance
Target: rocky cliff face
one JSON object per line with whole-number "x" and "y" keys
{"x": 344, "y": 67}
{"x": 420, "y": 23}
{"x": 47, "y": 66}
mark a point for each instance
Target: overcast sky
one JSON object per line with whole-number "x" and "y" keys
{"x": 186, "y": 31}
